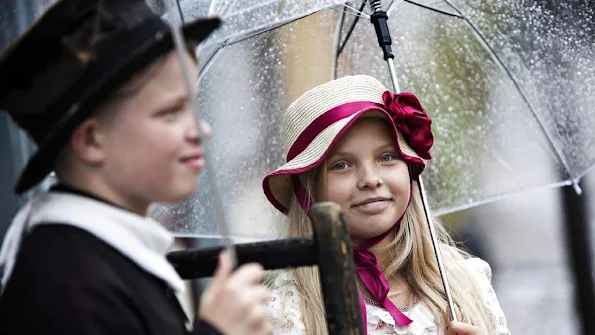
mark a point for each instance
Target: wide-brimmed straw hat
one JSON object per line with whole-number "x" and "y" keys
{"x": 315, "y": 122}
{"x": 56, "y": 74}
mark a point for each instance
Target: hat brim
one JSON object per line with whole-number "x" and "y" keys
{"x": 41, "y": 163}
{"x": 277, "y": 185}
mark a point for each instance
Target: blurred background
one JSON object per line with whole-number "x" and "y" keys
{"x": 502, "y": 175}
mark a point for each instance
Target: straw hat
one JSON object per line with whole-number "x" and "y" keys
{"x": 73, "y": 57}
{"x": 314, "y": 123}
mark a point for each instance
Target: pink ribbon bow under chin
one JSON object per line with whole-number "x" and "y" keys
{"x": 411, "y": 120}
{"x": 369, "y": 272}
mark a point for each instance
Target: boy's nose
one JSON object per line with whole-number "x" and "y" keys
{"x": 198, "y": 131}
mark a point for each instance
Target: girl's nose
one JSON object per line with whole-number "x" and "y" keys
{"x": 369, "y": 178}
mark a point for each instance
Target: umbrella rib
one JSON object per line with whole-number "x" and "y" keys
{"x": 208, "y": 62}
{"x": 393, "y": 6}
{"x": 357, "y": 15}
{"x": 499, "y": 197}
{"x": 263, "y": 28}
{"x": 242, "y": 37}
{"x": 180, "y": 12}
{"x": 360, "y": 11}
{"x": 439, "y": 11}
{"x": 505, "y": 69}
{"x": 350, "y": 30}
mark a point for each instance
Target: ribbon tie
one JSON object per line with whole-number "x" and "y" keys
{"x": 369, "y": 272}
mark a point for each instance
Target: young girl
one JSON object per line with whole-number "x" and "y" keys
{"x": 99, "y": 89}
{"x": 352, "y": 142}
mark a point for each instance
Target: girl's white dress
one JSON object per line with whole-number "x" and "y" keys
{"x": 285, "y": 313}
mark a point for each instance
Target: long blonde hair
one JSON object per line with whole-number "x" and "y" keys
{"x": 412, "y": 257}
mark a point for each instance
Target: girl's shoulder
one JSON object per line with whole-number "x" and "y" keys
{"x": 482, "y": 272}
{"x": 479, "y": 268}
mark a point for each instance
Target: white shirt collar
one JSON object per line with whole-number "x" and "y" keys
{"x": 141, "y": 239}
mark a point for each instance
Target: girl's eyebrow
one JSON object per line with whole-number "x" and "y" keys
{"x": 340, "y": 153}
{"x": 386, "y": 146}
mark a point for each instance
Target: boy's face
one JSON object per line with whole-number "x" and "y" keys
{"x": 153, "y": 151}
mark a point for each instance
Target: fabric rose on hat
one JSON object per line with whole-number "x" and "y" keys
{"x": 411, "y": 120}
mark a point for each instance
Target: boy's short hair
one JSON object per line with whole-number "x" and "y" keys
{"x": 109, "y": 108}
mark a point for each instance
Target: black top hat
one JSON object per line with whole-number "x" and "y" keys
{"x": 76, "y": 54}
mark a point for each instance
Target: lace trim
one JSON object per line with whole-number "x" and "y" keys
{"x": 372, "y": 302}
{"x": 381, "y": 322}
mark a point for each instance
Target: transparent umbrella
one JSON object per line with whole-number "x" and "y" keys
{"x": 509, "y": 86}
{"x": 501, "y": 113}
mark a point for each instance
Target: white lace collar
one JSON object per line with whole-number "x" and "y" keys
{"x": 423, "y": 320}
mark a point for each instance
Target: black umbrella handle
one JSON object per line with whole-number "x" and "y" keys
{"x": 379, "y": 19}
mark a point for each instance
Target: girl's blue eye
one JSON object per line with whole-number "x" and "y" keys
{"x": 339, "y": 166}
{"x": 386, "y": 158}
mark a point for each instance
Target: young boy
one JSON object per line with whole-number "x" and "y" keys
{"x": 97, "y": 86}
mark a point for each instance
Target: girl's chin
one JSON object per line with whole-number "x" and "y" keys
{"x": 361, "y": 237}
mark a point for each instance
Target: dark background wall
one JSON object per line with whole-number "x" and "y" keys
{"x": 15, "y": 17}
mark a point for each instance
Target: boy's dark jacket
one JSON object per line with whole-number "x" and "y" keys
{"x": 68, "y": 281}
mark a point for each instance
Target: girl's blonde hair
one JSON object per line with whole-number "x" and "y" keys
{"x": 412, "y": 257}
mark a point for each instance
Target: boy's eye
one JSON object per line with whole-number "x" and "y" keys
{"x": 170, "y": 112}
{"x": 173, "y": 111}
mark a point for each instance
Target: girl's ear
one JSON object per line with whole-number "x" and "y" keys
{"x": 86, "y": 142}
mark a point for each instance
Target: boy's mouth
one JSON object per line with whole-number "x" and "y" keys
{"x": 194, "y": 161}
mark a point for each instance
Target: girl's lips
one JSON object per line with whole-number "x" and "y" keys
{"x": 372, "y": 207}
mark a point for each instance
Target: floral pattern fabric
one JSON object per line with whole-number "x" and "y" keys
{"x": 286, "y": 317}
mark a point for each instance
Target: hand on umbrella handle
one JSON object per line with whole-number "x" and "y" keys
{"x": 235, "y": 301}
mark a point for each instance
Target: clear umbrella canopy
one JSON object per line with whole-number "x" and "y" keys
{"x": 492, "y": 124}
{"x": 495, "y": 128}
{"x": 243, "y": 18}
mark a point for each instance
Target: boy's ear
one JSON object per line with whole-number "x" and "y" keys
{"x": 86, "y": 142}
